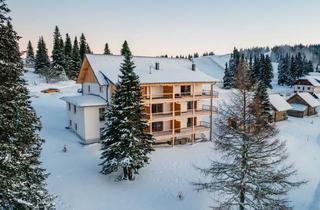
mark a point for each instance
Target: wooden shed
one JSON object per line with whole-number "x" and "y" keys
{"x": 303, "y": 104}
{"x": 280, "y": 107}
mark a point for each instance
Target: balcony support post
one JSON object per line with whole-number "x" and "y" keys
{"x": 173, "y": 114}
{"x": 211, "y": 110}
{"x": 150, "y": 105}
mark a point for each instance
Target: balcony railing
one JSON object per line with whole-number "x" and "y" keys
{"x": 202, "y": 127}
{"x": 180, "y": 95}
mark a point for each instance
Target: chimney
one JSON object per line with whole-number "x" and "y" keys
{"x": 193, "y": 67}
{"x": 157, "y": 67}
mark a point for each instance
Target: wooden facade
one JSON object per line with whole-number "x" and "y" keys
{"x": 279, "y": 116}
{"x": 296, "y": 99}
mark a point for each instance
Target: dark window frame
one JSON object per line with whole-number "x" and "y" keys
{"x": 157, "y": 126}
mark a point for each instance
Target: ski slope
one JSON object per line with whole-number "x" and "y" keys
{"x": 212, "y": 65}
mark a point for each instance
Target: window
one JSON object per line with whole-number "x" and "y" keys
{"x": 190, "y": 122}
{"x": 157, "y": 126}
{"x": 190, "y": 105}
{"x": 156, "y": 108}
{"x": 185, "y": 90}
{"x": 88, "y": 88}
{"x": 76, "y": 126}
{"x": 308, "y": 88}
{"x": 74, "y": 109}
{"x": 100, "y": 89}
{"x": 299, "y": 87}
{"x": 101, "y": 114}
{"x": 69, "y": 106}
{"x": 70, "y": 123}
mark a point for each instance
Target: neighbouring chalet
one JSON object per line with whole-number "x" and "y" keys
{"x": 175, "y": 96}
{"x": 303, "y": 104}
{"x": 280, "y": 107}
{"x": 310, "y": 84}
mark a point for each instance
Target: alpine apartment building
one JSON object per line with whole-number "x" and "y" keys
{"x": 177, "y": 97}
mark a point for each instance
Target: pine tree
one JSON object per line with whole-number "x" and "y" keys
{"x": 57, "y": 68}
{"x": 83, "y": 46}
{"x": 76, "y": 60}
{"x": 125, "y": 144}
{"x": 267, "y": 71}
{"x": 227, "y": 78}
{"x": 68, "y": 56}
{"x": 107, "y": 50}
{"x": 299, "y": 65}
{"x": 42, "y": 62}
{"x": 88, "y": 49}
{"x": 30, "y": 54}
{"x": 22, "y": 182}
{"x": 251, "y": 174}
{"x": 262, "y": 105}
{"x": 124, "y": 48}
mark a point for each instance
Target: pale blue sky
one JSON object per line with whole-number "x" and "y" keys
{"x": 155, "y": 27}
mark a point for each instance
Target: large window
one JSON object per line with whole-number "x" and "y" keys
{"x": 157, "y": 126}
{"x": 74, "y": 109}
{"x": 156, "y": 108}
{"x": 101, "y": 114}
{"x": 190, "y": 105}
{"x": 185, "y": 90}
{"x": 69, "y": 106}
{"x": 190, "y": 122}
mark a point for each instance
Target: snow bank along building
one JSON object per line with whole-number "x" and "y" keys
{"x": 177, "y": 96}
{"x": 280, "y": 107}
{"x": 303, "y": 104}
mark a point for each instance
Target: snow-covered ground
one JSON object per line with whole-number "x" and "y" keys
{"x": 76, "y": 180}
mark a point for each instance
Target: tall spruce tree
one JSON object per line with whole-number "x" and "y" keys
{"x": 42, "y": 62}
{"x": 76, "y": 60}
{"x": 30, "y": 55}
{"x": 252, "y": 173}
{"x": 22, "y": 182}
{"x": 124, "y": 48}
{"x": 267, "y": 71}
{"x": 107, "y": 49}
{"x": 57, "y": 68}
{"x": 227, "y": 78}
{"x": 262, "y": 106}
{"x": 125, "y": 144}
{"x": 83, "y": 46}
{"x": 68, "y": 56}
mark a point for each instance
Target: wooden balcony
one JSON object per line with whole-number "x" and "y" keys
{"x": 181, "y": 132}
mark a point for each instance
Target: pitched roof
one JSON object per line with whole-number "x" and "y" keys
{"x": 279, "y": 103}
{"x": 308, "y": 98}
{"x": 171, "y": 70}
{"x": 313, "y": 79}
{"x": 85, "y": 100}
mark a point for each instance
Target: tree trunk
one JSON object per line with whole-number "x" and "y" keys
{"x": 130, "y": 174}
{"x": 125, "y": 173}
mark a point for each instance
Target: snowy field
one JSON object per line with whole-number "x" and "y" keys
{"x": 76, "y": 180}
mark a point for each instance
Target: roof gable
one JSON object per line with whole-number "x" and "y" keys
{"x": 279, "y": 103}
{"x": 307, "y": 98}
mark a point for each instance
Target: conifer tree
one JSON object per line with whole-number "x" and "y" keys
{"x": 88, "y": 49}
{"x": 267, "y": 71}
{"x": 30, "y": 54}
{"x": 57, "y": 68}
{"x": 76, "y": 60}
{"x": 262, "y": 106}
{"x": 68, "y": 55}
{"x": 22, "y": 182}
{"x": 83, "y": 46}
{"x": 124, "y": 48}
{"x": 227, "y": 78}
{"x": 42, "y": 62}
{"x": 125, "y": 144}
{"x": 107, "y": 50}
{"x": 252, "y": 172}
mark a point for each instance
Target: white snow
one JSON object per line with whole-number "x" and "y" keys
{"x": 279, "y": 103}
{"x": 298, "y": 107}
{"x": 75, "y": 178}
{"x": 213, "y": 65}
{"x": 85, "y": 100}
{"x": 171, "y": 69}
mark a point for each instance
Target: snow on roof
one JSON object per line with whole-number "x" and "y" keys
{"x": 213, "y": 65}
{"x": 299, "y": 107}
{"x": 279, "y": 103}
{"x": 171, "y": 70}
{"x": 309, "y": 99}
{"x": 85, "y": 100}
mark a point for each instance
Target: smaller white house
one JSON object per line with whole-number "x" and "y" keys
{"x": 86, "y": 116}
{"x": 310, "y": 84}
